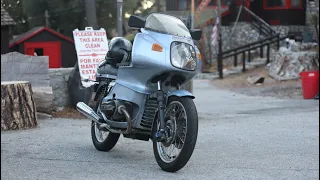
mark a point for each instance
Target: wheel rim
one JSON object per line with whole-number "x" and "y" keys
{"x": 176, "y": 125}
{"x": 100, "y": 134}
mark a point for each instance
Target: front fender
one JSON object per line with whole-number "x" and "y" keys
{"x": 181, "y": 93}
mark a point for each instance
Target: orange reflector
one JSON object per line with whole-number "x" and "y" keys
{"x": 199, "y": 56}
{"x": 157, "y": 47}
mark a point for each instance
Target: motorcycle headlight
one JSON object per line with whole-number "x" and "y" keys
{"x": 183, "y": 56}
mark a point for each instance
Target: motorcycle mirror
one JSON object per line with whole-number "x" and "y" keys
{"x": 136, "y": 22}
{"x": 196, "y": 34}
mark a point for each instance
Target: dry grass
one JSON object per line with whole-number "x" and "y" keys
{"x": 240, "y": 80}
{"x": 68, "y": 112}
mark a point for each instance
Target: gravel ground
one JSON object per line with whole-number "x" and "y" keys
{"x": 240, "y": 138}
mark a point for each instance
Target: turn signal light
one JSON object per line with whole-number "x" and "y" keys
{"x": 157, "y": 47}
{"x": 199, "y": 56}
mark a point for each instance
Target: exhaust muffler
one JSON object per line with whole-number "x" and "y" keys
{"x": 88, "y": 112}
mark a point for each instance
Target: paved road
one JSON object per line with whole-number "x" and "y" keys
{"x": 240, "y": 137}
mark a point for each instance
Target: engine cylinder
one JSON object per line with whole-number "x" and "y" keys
{"x": 110, "y": 108}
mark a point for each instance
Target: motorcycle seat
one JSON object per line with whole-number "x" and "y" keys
{"x": 107, "y": 69}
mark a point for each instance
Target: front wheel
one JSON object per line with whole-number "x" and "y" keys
{"x": 103, "y": 140}
{"x": 181, "y": 120}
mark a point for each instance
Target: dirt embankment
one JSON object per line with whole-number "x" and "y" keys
{"x": 270, "y": 87}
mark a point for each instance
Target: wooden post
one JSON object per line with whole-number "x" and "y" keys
{"x": 91, "y": 14}
{"x": 189, "y": 85}
{"x": 119, "y": 17}
{"x": 244, "y": 61}
{"x": 18, "y": 109}
{"x": 260, "y": 27}
{"x": 220, "y": 63}
{"x": 278, "y": 42}
{"x": 235, "y": 63}
{"x": 268, "y": 53}
{"x": 158, "y": 5}
{"x": 261, "y": 51}
{"x": 220, "y": 66}
{"x": 192, "y": 14}
{"x": 249, "y": 56}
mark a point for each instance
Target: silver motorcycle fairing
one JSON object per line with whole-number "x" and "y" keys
{"x": 133, "y": 82}
{"x": 147, "y": 63}
{"x": 181, "y": 93}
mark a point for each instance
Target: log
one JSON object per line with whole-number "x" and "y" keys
{"x": 18, "y": 110}
{"x": 43, "y": 101}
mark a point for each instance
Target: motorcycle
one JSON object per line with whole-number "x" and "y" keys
{"x": 137, "y": 90}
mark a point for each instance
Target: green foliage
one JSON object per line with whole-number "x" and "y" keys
{"x": 16, "y": 11}
{"x": 64, "y": 15}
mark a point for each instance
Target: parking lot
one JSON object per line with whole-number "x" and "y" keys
{"x": 240, "y": 137}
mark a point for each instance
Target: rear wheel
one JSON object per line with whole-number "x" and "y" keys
{"x": 103, "y": 140}
{"x": 182, "y": 126}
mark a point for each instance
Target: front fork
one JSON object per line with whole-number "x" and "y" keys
{"x": 161, "y": 133}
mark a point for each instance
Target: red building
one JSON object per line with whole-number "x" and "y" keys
{"x": 280, "y": 12}
{"x": 275, "y": 12}
{"x": 43, "y": 41}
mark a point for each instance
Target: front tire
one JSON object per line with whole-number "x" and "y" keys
{"x": 182, "y": 120}
{"x": 102, "y": 140}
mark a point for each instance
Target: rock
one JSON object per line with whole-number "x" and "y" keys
{"x": 255, "y": 79}
{"x": 19, "y": 67}
{"x": 59, "y": 109}
{"x": 287, "y": 64}
{"x": 294, "y": 47}
{"x": 77, "y": 92}
{"x": 307, "y": 46}
{"x": 58, "y": 82}
{"x": 283, "y": 49}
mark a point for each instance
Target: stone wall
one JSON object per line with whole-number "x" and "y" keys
{"x": 20, "y": 67}
{"x": 312, "y": 7}
{"x": 58, "y": 81}
{"x": 245, "y": 33}
{"x": 284, "y": 30}
{"x": 288, "y": 63}
{"x": 50, "y": 86}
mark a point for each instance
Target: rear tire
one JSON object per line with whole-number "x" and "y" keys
{"x": 106, "y": 143}
{"x": 185, "y": 146}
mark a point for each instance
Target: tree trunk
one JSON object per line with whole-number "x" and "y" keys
{"x": 18, "y": 110}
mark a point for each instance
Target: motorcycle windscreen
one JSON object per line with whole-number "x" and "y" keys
{"x": 167, "y": 24}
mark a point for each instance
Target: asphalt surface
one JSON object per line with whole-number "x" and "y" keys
{"x": 240, "y": 137}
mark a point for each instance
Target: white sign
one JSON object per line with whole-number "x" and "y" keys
{"x": 92, "y": 47}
